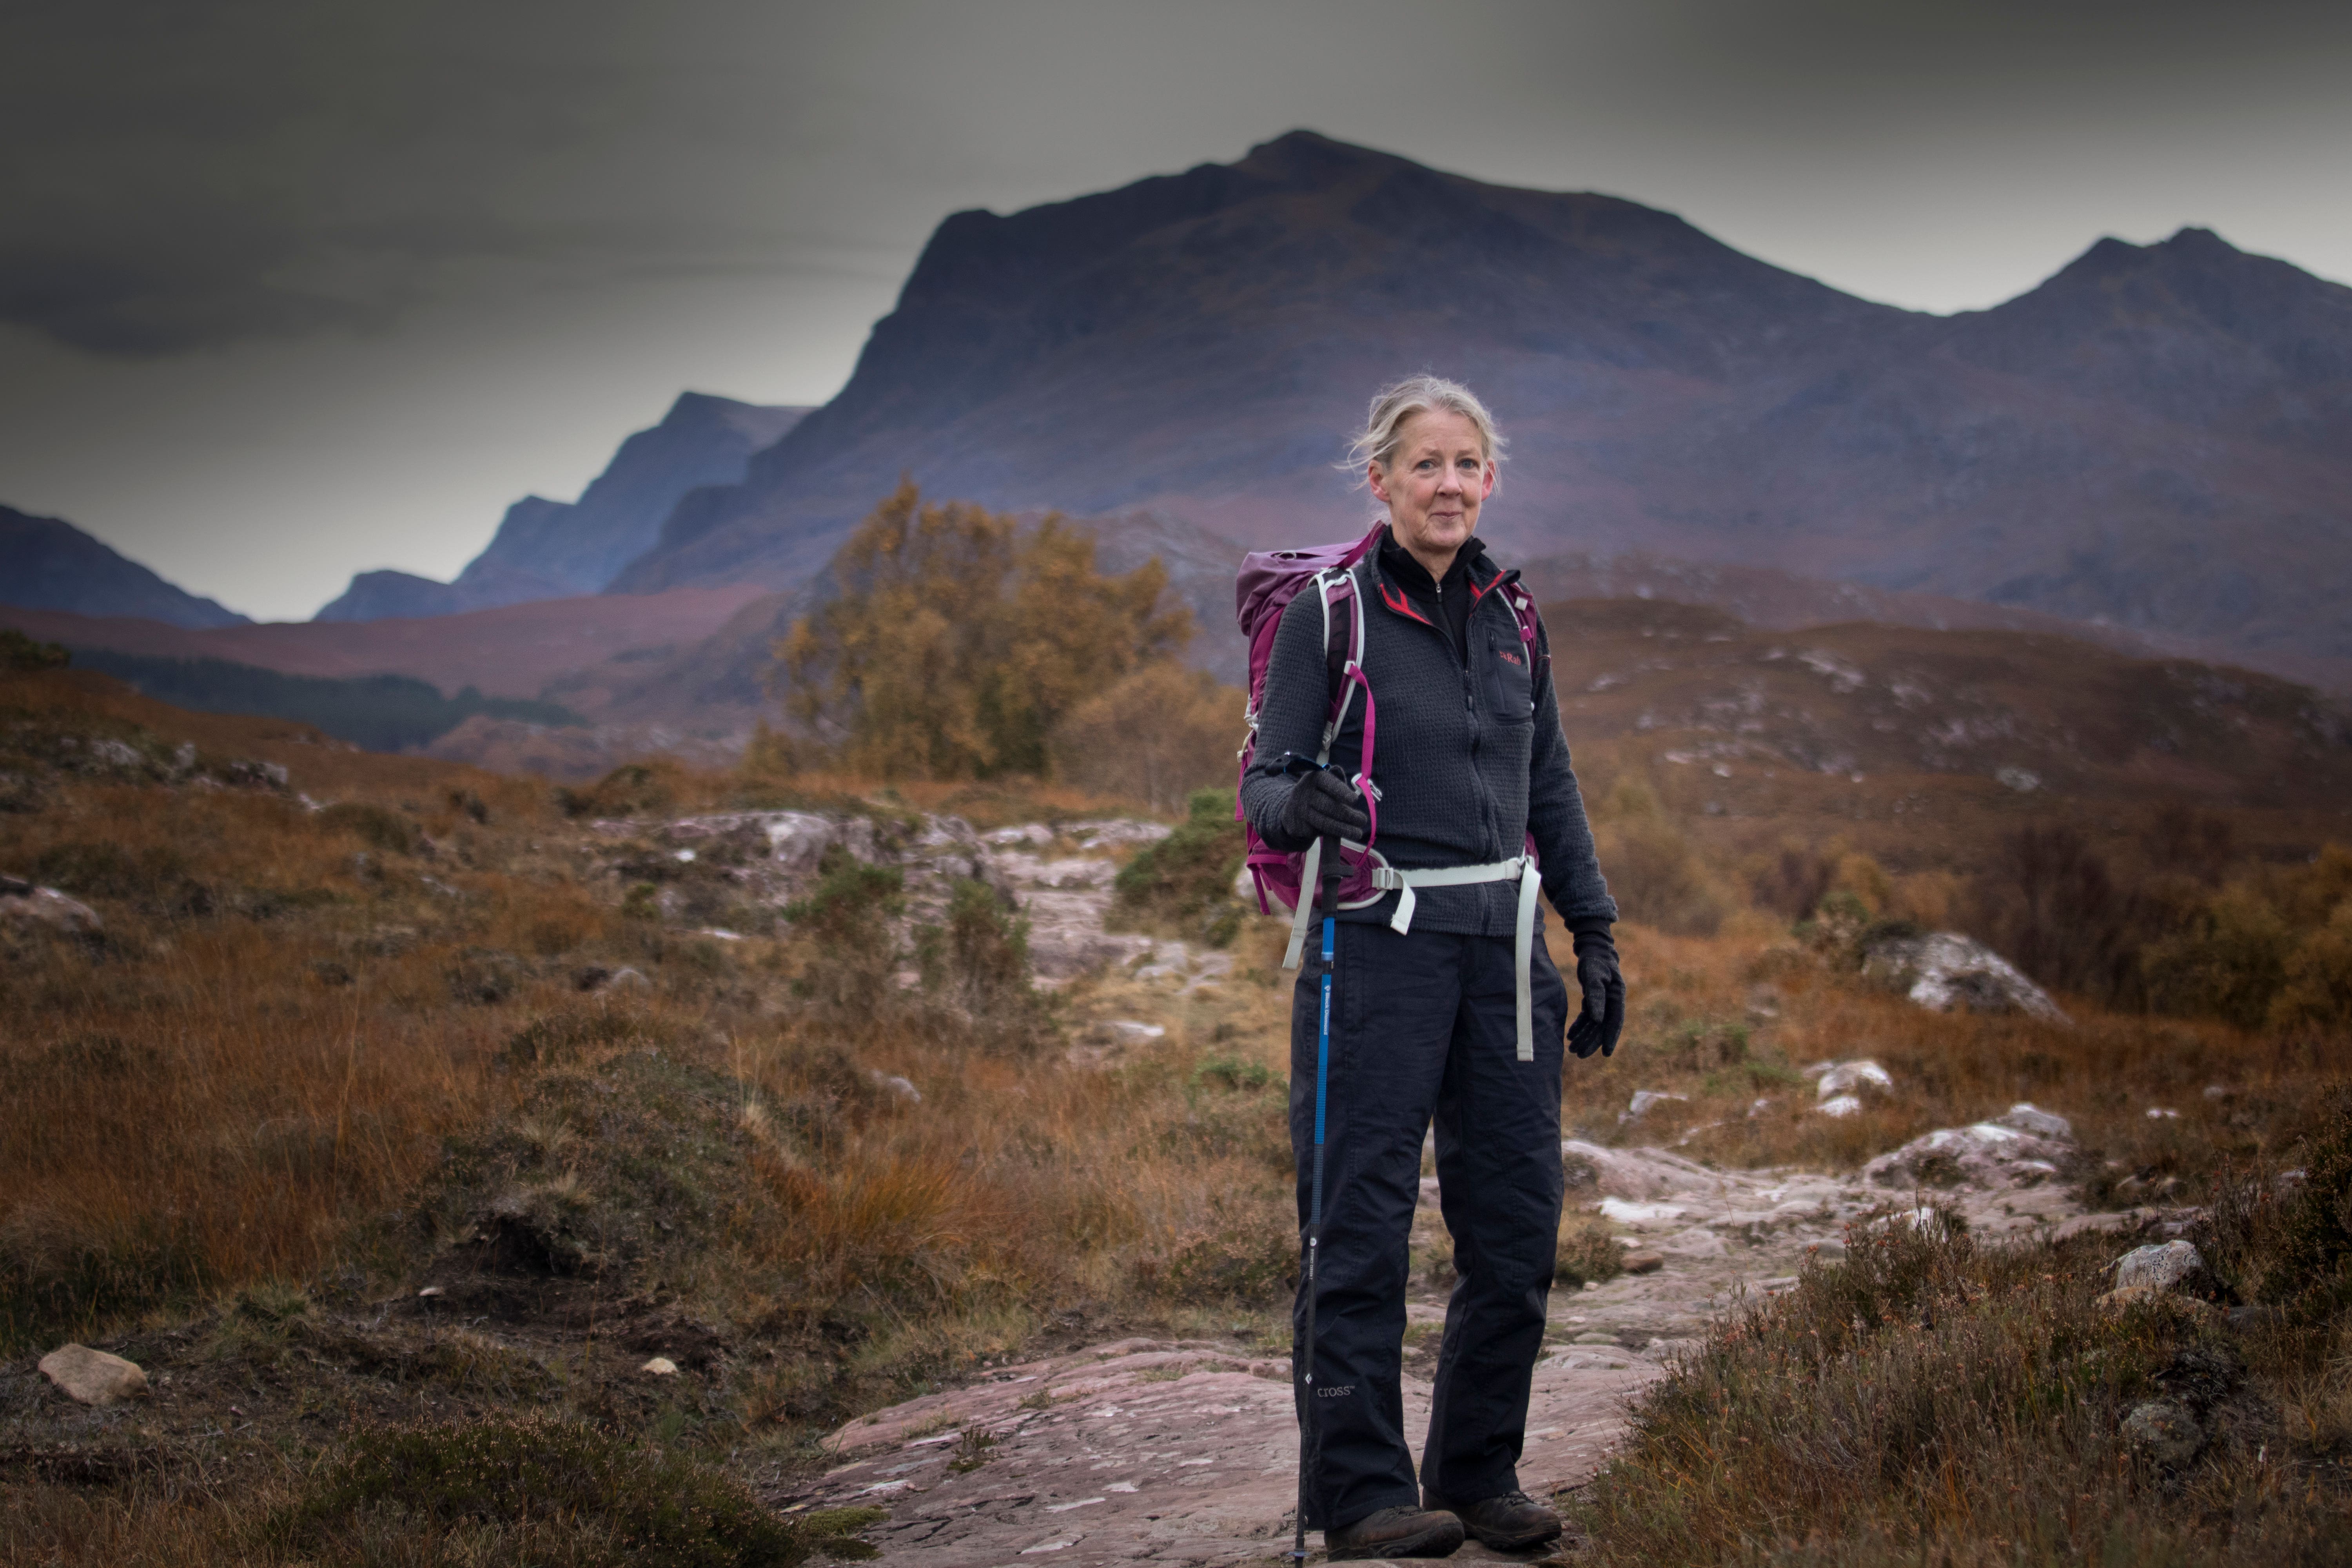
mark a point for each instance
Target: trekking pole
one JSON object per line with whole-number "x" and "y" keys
{"x": 1309, "y": 1422}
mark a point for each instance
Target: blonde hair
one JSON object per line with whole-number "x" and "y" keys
{"x": 1393, "y": 404}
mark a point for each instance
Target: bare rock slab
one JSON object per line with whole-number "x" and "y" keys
{"x": 1141, "y": 1450}
{"x": 93, "y": 1377}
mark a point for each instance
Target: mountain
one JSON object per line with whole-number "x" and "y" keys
{"x": 47, "y": 564}
{"x": 556, "y": 550}
{"x": 2159, "y": 436}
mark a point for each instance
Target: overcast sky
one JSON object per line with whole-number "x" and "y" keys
{"x": 290, "y": 289}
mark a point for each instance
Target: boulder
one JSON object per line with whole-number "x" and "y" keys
{"x": 2164, "y": 1266}
{"x": 2163, "y": 1433}
{"x": 93, "y": 1377}
{"x": 1945, "y": 971}
{"x": 2125, "y": 1298}
{"x": 1988, "y": 1156}
{"x": 21, "y": 903}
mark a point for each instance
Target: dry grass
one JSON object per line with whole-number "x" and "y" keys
{"x": 1934, "y": 1401}
{"x": 1731, "y": 1021}
{"x": 331, "y": 1054}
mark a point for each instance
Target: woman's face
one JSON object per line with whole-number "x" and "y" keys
{"x": 1435, "y": 484}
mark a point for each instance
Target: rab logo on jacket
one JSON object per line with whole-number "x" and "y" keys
{"x": 1508, "y": 657}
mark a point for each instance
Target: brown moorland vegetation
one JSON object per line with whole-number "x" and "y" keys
{"x": 465, "y": 1035}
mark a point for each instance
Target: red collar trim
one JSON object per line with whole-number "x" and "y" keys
{"x": 1395, "y": 600}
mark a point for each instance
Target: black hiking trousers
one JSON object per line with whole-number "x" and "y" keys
{"x": 1424, "y": 1026}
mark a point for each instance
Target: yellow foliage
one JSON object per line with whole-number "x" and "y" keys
{"x": 1156, "y": 735}
{"x": 956, "y": 644}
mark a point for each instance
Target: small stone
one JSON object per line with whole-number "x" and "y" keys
{"x": 1644, "y": 1262}
{"x": 892, "y": 1084}
{"x": 1847, "y": 1078}
{"x": 1643, "y": 1099}
{"x": 2163, "y": 1267}
{"x": 26, "y": 904}
{"x": 429, "y": 1292}
{"x": 2163, "y": 1433}
{"x": 660, "y": 1366}
{"x": 1595, "y": 1337}
{"x": 2158, "y": 1113}
{"x": 93, "y": 1377}
{"x": 1841, "y": 1105}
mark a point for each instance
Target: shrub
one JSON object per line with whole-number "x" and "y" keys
{"x": 957, "y": 641}
{"x": 846, "y": 918}
{"x": 1589, "y": 1250}
{"x": 2049, "y": 903}
{"x": 978, "y": 962}
{"x": 633, "y": 789}
{"x": 21, "y": 655}
{"x": 1252, "y": 1261}
{"x": 545, "y": 1491}
{"x": 1184, "y": 883}
{"x": 373, "y": 825}
{"x": 1654, "y": 872}
{"x": 1156, "y": 735}
{"x": 2315, "y": 985}
{"x": 2229, "y": 963}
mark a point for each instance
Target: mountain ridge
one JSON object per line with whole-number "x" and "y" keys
{"x": 47, "y": 564}
{"x": 2156, "y": 436}
{"x": 547, "y": 548}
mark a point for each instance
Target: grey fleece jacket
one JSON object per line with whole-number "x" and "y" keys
{"x": 1467, "y": 756}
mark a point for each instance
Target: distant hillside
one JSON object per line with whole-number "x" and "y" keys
{"x": 1921, "y": 746}
{"x": 47, "y": 564}
{"x": 379, "y": 712}
{"x": 2159, "y": 436}
{"x": 511, "y": 651}
{"x": 556, "y": 550}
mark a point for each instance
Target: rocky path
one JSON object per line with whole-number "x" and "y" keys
{"x": 1186, "y": 1452}
{"x": 1146, "y": 1451}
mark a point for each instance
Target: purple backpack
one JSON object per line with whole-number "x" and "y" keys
{"x": 1269, "y": 580}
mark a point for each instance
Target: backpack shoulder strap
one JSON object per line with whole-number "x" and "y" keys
{"x": 1343, "y": 634}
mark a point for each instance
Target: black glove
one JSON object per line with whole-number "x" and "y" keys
{"x": 1322, "y": 805}
{"x": 1602, "y": 1018}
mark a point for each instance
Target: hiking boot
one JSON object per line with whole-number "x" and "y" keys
{"x": 1404, "y": 1530}
{"x": 1511, "y": 1522}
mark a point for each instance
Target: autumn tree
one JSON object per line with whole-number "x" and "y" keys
{"x": 955, "y": 641}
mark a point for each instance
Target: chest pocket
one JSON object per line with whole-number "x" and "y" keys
{"x": 1510, "y": 685}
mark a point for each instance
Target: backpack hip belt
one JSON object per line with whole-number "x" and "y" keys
{"x": 1521, "y": 869}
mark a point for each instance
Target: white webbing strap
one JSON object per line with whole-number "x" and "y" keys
{"x": 1304, "y": 914}
{"x": 1521, "y": 870}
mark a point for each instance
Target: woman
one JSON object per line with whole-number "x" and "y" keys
{"x": 1470, "y": 768}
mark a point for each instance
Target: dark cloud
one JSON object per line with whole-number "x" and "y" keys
{"x": 177, "y": 176}
{"x": 289, "y": 287}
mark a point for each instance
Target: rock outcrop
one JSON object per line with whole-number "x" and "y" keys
{"x": 23, "y": 904}
{"x": 1946, "y": 973}
{"x": 2025, "y": 1147}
